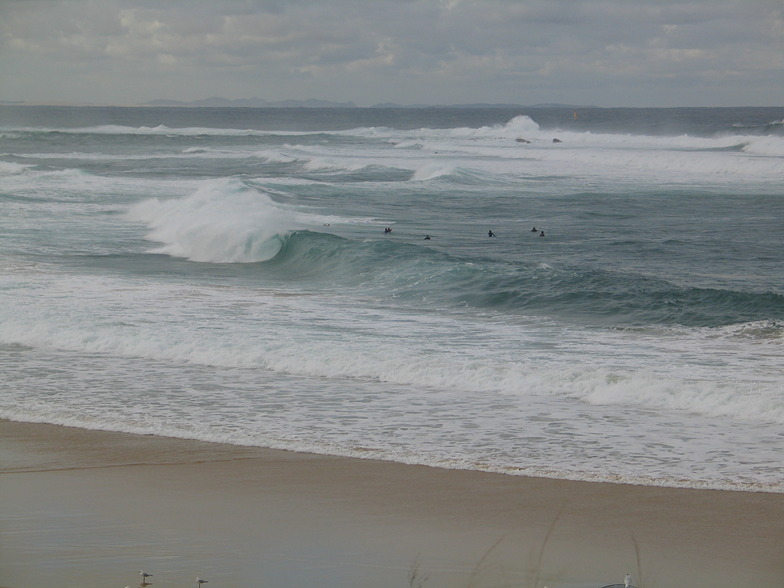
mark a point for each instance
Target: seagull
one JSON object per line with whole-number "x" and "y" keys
{"x": 199, "y": 581}
{"x": 144, "y": 576}
{"x": 627, "y": 581}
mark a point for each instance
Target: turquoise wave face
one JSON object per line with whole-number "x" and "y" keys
{"x": 419, "y": 276}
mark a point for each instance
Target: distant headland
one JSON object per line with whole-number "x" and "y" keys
{"x": 313, "y": 103}
{"x": 252, "y": 103}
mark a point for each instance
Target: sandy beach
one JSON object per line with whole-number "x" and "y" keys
{"x": 90, "y": 509}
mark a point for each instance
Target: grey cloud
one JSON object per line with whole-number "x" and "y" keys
{"x": 407, "y": 51}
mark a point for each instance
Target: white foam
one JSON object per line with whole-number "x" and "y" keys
{"x": 331, "y": 336}
{"x": 144, "y": 130}
{"x": 607, "y": 157}
{"x": 224, "y": 221}
{"x": 769, "y": 146}
{"x": 538, "y": 436}
{"x": 334, "y": 164}
{"x": 11, "y": 168}
{"x": 161, "y": 129}
{"x": 432, "y": 170}
{"x": 275, "y": 156}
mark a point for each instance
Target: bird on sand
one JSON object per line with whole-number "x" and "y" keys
{"x": 199, "y": 581}
{"x": 144, "y": 576}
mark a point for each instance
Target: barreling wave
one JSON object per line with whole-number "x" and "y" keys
{"x": 420, "y": 275}
{"x": 224, "y": 221}
{"x": 229, "y": 221}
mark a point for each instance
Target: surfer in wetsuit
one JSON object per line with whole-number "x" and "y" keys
{"x": 427, "y": 237}
{"x": 533, "y": 230}
{"x": 490, "y": 234}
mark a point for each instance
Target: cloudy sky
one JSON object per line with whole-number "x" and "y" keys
{"x": 601, "y": 52}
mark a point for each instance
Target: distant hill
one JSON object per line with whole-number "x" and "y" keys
{"x": 253, "y": 103}
{"x": 312, "y": 103}
{"x": 480, "y": 105}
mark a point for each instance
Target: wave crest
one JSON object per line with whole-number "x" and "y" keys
{"x": 224, "y": 221}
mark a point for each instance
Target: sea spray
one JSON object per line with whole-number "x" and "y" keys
{"x": 224, "y": 221}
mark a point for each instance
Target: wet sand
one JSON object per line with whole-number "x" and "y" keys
{"x": 90, "y": 509}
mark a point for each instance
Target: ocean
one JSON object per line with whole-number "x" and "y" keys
{"x": 227, "y": 275}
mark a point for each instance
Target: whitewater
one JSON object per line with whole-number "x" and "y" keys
{"x": 225, "y": 275}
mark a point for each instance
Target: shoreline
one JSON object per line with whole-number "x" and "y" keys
{"x": 91, "y": 508}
